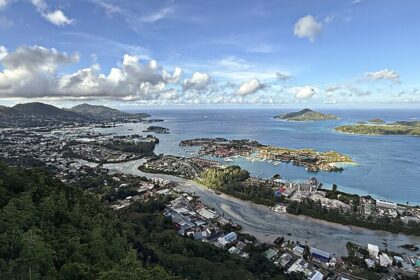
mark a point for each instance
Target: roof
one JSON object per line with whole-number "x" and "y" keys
{"x": 270, "y": 253}
{"x": 373, "y": 248}
{"x": 317, "y": 276}
{"x": 320, "y": 253}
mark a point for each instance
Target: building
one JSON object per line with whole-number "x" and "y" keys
{"x": 285, "y": 259}
{"x": 373, "y": 250}
{"x": 270, "y": 254}
{"x": 320, "y": 255}
{"x": 230, "y": 237}
{"x": 298, "y": 250}
{"x": 386, "y": 204}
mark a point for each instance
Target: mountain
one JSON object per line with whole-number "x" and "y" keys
{"x": 36, "y": 114}
{"x": 306, "y": 115}
{"x": 40, "y": 114}
{"x": 45, "y": 110}
{"x": 99, "y": 112}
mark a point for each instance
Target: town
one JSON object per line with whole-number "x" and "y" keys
{"x": 78, "y": 157}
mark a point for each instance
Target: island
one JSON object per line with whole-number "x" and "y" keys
{"x": 396, "y": 128}
{"x": 311, "y": 159}
{"x": 157, "y": 129}
{"x": 306, "y": 115}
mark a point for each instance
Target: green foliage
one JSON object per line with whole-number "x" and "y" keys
{"x": 232, "y": 180}
{"x": 398, "y": 128}
{"x": 190, "y": 258}
{"x": 52, "y": 231}
{"x": 314, "y": 209}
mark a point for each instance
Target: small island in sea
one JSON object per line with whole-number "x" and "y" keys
{"x": 376, "y": 128}
{"x": 157, "y": 129}
{"x": 306, "y": 115}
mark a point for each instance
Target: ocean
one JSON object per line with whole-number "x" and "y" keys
{"x": 388, "y": 167}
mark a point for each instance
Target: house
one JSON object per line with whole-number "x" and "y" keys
{"x": 373, "y": 250}
{"x": 370, "y": 263}
{"x": 230, "y": 237}
{"x": 270, "y": 253}
{"x": 298, "y": 250}
{"x": 285, "y": 259}
{"x": 384, "y": 260}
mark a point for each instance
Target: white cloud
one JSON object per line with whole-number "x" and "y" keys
{"x": 307, "y": 27}
{"x": 347, "y": 90}
{"x": 198, "y": 81}
{"x": 32, "y": 72}
{"x": 109, "y": 8}
{"x": 304, "y": 92}
{"x": 384, "y": 74}
{"x": 159, "y": 15}
{"x": 249, "y": 87}
{"x": 56, "y": 17}
{"x": 3, "y": 52}
{"x": 175, "y": 77}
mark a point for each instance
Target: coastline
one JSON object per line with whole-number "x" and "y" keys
{"x": 267, "y": 225}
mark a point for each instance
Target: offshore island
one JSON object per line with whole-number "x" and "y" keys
{"x": 379, "y": 127}
{"x": 306, "y": 115}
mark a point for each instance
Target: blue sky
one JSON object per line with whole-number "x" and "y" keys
{"x": 129, "y": 53}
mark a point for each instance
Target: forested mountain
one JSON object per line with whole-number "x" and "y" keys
{"x": 104, "y": 113}
{"x": 52, "y": 231}
{"x": 40, "y": 114}
{"x": 49, "y": 230}
{"x": 306, "y": 115}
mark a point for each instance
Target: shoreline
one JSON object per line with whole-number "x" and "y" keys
{"x": 266, "y": 225}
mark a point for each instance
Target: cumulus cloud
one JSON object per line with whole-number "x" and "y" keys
{"x": 307, "y": 27}
{"x": 384, "y": 74}
{"x": 198, "y": 81}
{"x": 175, "y": 77}
{"x": 283, "y": 76}
{"x": 249, "y": 87}
{"x": 56, "y": 17}
{"x": 304, "y": 92}
{"x": 32, "y": 72}
{"x": 3, "y": 52}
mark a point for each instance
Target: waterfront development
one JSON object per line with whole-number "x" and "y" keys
{"x": 214, "y": 200}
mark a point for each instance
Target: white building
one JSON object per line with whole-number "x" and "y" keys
{"x": 373, "y": 250}
{"x": 386, "y": 204}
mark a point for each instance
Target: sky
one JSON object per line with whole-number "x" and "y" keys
{"x": 346, "y": 53}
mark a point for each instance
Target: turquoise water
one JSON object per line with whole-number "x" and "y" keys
{"x": 388, "y": 166}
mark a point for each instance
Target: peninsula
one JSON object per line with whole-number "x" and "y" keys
{"x": 397, "y": 128}
{"x": 306, "y": 115}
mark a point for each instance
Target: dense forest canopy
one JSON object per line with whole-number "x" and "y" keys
{"x": 49, "y": 230}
